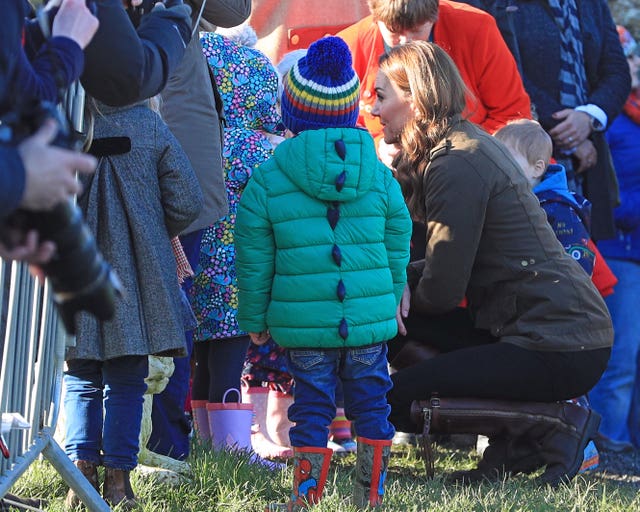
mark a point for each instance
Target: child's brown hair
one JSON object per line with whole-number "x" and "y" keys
{"x": 528, "y": 138}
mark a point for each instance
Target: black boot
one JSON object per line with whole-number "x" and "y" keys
{"x": 533, "y": 433}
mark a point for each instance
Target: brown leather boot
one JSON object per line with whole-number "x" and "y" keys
{"x": 536, "y": 433}
{"x": 562, "y": 447}
{"x": 90, "y": 472}
{"x": 117, "y": 489}
{"x": 503, "y": 458}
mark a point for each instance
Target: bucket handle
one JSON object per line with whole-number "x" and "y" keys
{"x": 224, "y": 397}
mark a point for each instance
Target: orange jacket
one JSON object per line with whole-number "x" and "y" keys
{"x": 472, "y": 39}
{"x": 283, "y": 26}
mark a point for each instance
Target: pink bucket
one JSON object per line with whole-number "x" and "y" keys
{"x": 230, "y": 423}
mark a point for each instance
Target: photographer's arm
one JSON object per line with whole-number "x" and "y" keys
{"x": 48, "y": 65}
{"x": 37, "y": 176}
{"x": 50, "y": 171}
{"x": 12, "y": 182}
{"x": 122, "y": 65}
{"x": 12, "y": 179}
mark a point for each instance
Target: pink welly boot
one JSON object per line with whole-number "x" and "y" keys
{"x": 260, "y": 440}
{"x": 201, "y": 421}
{"x": 278, "y": 423}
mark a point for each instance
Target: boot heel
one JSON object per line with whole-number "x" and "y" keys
{"x": 593, "y": 424}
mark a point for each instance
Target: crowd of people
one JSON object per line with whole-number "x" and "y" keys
{"x": 404, "y": 182}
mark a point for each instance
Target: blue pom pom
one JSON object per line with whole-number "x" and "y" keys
{"x": 329, "y": 56}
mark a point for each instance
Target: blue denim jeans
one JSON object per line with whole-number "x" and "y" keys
{"x": 171, "y": 427}
{"x": 365, "y": 381}
{"x": 617, "y": 395}
{"x": 103, "y": 408}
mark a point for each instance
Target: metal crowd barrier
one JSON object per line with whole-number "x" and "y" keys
{"x": 33, "y": 343}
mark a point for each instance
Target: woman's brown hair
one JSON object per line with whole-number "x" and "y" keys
{"x": 430, "y": 79}
{"x": 398, "y": 15}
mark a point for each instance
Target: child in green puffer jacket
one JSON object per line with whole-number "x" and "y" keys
{"x": 322, "y": 241}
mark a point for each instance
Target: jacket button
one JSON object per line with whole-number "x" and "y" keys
{"x": 343, "y": 329}
{"x": 341, "y": 291}
{"x": 336, "y": 253}
{"x": 342, "y": 177}
{"x": 333, "y": 215}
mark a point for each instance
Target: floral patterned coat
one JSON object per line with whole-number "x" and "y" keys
{"x": 248, "y": 84}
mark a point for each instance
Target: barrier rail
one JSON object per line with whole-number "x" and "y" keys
{"x": 33, "y": 344}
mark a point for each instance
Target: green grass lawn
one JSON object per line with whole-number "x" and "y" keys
{"x": 227, "y": 482}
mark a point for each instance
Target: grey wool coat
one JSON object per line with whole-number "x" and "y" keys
{"x": 134, "y": 203}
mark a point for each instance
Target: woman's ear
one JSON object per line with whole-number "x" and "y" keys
{"x": 416, "y": 111}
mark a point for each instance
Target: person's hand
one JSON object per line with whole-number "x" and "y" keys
{"x": 402, "y": 311}
{"x": 49, "y": 170}
{"x": 574, "y": 128}
{"x": 27, "y": 247}
{"x": 75, "y": 21}
{"x": 387, "y": 152}
{"x": 587, "y": 156}
{"x": 259, "y": 338}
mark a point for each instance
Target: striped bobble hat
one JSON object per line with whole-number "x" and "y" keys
{"x": 321, "y": 90}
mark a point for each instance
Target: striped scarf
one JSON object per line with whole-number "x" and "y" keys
{"x": 573, "y": 79}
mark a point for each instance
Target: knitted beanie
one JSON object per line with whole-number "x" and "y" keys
{"x": 321, "y": 90}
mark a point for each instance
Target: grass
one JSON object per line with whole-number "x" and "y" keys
{"x": 229, "y": 483}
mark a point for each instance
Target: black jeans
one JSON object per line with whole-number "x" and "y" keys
{"x": 475, "y": 364}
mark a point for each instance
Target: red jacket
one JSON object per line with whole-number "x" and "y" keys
{"x": 473, "y": 41}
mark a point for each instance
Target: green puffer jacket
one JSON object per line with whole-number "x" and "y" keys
{"x": 322, "y": 242}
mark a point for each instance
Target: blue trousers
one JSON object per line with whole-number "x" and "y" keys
{"x": 103, "y": 407}
{"x": 170, "y": 426}
{"x": 365, "y": 381}
{"x": 617, "y": 395}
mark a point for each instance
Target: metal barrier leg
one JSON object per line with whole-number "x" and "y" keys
{"x": 72, "y": 476}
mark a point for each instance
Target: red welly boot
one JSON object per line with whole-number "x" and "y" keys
{"x": 311, "y": 466}
{"x": 371, "y": 472}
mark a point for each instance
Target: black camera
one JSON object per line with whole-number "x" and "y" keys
{"x": 136, "y": 12}
{"x": 80, "y": 277}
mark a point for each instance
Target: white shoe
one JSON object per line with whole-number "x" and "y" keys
{"x": 336, "y": 447}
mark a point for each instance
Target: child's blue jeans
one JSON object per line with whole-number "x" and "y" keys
{"x": 365, "y": 380}
{"x": 118, "y": 386}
